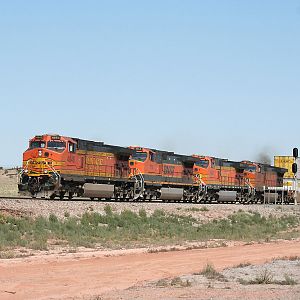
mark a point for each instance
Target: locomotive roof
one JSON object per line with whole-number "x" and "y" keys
{"x": 181, "y": 157}
{"x": 100, "y": 146}
{"x": 273, "y": 168}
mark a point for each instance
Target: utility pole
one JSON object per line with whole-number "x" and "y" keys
{"x": 294, "y": 170}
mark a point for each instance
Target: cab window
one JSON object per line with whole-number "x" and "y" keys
{"x": 203, "y": 163}
{"x": 37, "y": 144}
{"x": 140, "y": 156}
{"x": 248, "y": 168}
{"x": 72, "y": 147}
{"x": 151, "y": 155}
{"x": 251, "y": 169}
{"x": 56, "y": 145}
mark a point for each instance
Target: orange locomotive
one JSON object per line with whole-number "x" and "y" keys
{"x": 221, "y": 180}
{"x": 58, "y": 166}
{"x": 262, "y": 177}
{"x": 164, "y": 175}
{"x": 55, "y": 165}
{"x": 244, "y": 182}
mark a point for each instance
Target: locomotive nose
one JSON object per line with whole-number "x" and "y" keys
{"x": 37, "y": 153}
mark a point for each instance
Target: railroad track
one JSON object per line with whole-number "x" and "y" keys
{"x": 81, "y": 199}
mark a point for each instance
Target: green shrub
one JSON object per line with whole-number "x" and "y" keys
{"x": 108, "y": 210}
{"x": 129, "y": 228}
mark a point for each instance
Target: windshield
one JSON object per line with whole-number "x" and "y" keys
{"x": 250, "y": 168}
{"x": 37, "y": 144}
{"x": 55, "y": 145}
{"x": 203, "y": 163}
{"x": 140, "y": 156}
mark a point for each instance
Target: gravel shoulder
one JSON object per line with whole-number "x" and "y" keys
{"x": 228, "y": 286}
{"x": 202, "y": 212}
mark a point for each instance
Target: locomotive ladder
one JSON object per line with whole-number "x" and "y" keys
{"x": 250, "y": 187}
{"x": 202, "y": 186}
{"x": 23, "y": 170}
{"x": 56, "y": 174}
{"x": 139, "y": 185}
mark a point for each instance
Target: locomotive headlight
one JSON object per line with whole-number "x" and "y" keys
{"x": 40, "y": 152}
{"x": 46, "y": 171}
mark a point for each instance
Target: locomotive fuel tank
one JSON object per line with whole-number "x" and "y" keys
{"x": 227, "y": 196}
{"x": 93, "y": 190}
{"x": 171, "y": 193}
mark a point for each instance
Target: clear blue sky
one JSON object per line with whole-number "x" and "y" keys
{"x": 210, "y": 77}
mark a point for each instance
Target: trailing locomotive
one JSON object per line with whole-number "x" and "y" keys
{"x": 244, "y": 182}
{"x": 164, "y": 175}
{"x": 58, "y": 166}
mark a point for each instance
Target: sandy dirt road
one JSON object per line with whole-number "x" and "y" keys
{"x": 59, "y": 278}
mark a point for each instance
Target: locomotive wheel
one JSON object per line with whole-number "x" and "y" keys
{"x": 61, "y": 195}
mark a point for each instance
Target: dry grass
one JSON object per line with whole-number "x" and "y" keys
{"x": 210, "y": 272}
{"x": 288, "y": 280}
{"x": 11, "y": 254}
{"x": 266, "y": 277}
{"x": 290, "y": 258}
{"x": 158, "y": 250}
{"x": 242, "y": 265}
{"x": 175, "y": 282}
{"x": 162, "y": 283}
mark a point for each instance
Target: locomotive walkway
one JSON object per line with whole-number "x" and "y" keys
{"x": 74, "y": 276}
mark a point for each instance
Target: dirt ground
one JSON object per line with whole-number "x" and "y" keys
{"x": 8, "y": 183}
{"x": 131, "y": 275}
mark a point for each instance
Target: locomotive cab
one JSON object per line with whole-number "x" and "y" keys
{"x": 42, "y": 162}
{"x": 144, "y": 160}
{"x": 141, "y": 160}
{"x": 250, "y": 170}
{"x": 205, "y": 169}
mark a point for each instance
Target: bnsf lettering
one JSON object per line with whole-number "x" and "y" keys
{"x": 169, "y": 170}
{"x": 94, "y": 161}
{"x": 37, "y": 163}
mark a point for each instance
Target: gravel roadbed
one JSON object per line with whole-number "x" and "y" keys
{"x": 202, "y": 212}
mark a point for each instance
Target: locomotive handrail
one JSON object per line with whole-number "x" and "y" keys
{"x": 56, "y": 173}
{"x": 140, "y": 182}
{"x": 250, "y": 186}
{"x": 23, "y": 171}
